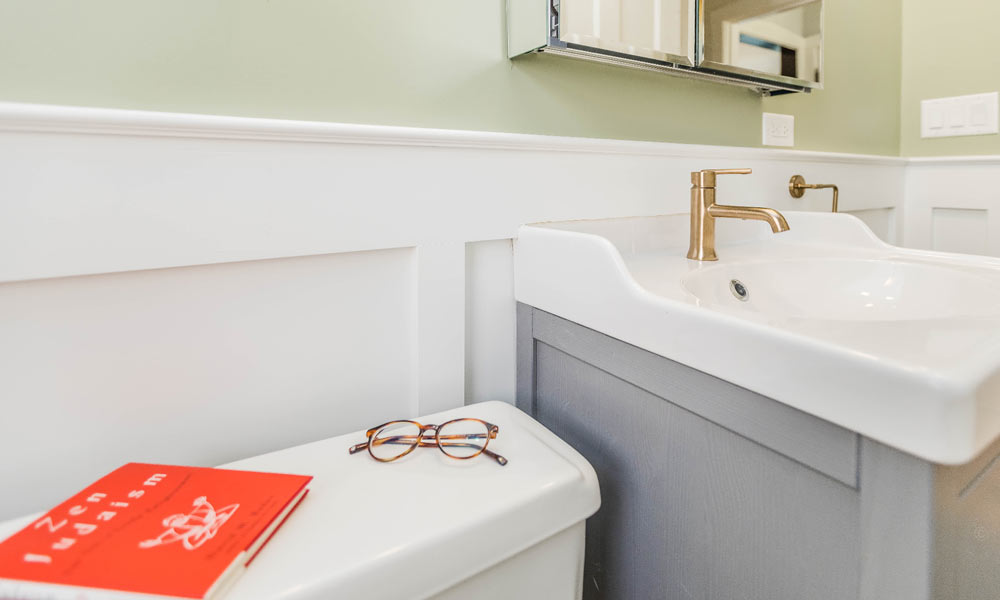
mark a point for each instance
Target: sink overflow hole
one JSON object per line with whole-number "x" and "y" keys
{"x": 739, "y": 290}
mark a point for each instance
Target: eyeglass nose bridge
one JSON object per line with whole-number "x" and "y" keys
{"x": 428, "y": 432}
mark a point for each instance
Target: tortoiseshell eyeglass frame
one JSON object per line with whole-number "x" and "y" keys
{"x": 422, "y": 441}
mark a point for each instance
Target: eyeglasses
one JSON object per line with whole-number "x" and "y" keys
{"x": 459, "y": 438}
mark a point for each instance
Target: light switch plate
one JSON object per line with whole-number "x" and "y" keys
{"x": 779, "y": 130}
{"x": 975, "y": 114}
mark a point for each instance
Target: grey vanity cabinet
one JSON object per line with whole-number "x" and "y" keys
{"x": 712, "y": 492}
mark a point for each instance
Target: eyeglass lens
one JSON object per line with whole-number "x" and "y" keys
{"x": 463, "y": 438}
{"x": 394, "y": 440}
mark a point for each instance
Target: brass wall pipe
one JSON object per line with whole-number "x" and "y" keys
{"x": 797, "y": 187}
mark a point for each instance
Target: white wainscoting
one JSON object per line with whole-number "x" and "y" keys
{"x": 196, "y": 364}
{"x": 953, "y": 204}
{"x": 192, "y": 289}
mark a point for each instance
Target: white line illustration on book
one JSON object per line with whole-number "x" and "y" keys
{"x": 194, "y": 528}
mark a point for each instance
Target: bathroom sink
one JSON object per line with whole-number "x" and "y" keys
{"x": 900, "y": 345}
{"x": 852, "y": 289}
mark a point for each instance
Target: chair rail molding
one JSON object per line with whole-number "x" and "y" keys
{"x": 41, "y": 118}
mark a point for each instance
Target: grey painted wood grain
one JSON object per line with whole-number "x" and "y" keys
{"x": 896, "y": 524}
{"x": 525, "y": 390}
{"x": 967, "y": 529}
{"x": 819, "y": 444}
{"x": 955, "y": 480}
{"x": 690, "y": 509}
{"x": 973, "y": 560}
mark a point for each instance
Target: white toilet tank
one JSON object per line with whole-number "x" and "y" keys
{"x": 429, "y": 526}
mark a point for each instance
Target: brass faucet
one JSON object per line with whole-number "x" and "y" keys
{"x": 797, "y": 186}
{"x": 704, "y": 212}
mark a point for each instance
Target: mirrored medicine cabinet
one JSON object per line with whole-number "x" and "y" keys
{"x": 773, "y": 46}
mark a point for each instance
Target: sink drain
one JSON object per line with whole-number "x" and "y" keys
{"x": 739, "y": 290}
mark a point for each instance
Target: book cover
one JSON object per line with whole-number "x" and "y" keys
{"x": 160, "y": 530}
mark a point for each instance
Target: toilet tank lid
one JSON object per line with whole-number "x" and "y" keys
{"x": 413, "y": 527}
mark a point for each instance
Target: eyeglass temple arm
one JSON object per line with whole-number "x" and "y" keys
{"x": 495, "y": 456}
{"x": 486, "y": 451}
{"x": 425, "y": 443}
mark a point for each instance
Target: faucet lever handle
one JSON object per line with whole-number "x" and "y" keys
{"x": 729, "y": 171}
{"x": 706, "y": 177}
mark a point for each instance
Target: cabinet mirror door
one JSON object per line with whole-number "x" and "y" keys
{"x": 778, "y": 40}
{"x": 654, "y": 30}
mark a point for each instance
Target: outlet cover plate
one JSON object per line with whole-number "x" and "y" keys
{"x": 779, "y": 130}
{"x": 975, "y": 114}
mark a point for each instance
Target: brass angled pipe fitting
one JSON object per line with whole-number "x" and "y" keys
{"x": 797, "y": 187}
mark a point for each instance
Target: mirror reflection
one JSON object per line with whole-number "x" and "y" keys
{"x": 657, "y": 29}
{"x": 776, "y": 37}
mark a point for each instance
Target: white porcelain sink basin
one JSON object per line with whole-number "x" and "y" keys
{"x": 846, "y": 289}
{"x": 900, "y": 345}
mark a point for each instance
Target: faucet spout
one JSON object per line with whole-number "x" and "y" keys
{"x": 757, "y": 213}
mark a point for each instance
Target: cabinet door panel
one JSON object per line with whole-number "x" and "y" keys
{"x": 690, "y": 509}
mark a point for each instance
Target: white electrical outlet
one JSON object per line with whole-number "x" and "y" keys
{"x": 779, "y": 130}
{"x": 959, "y": 115}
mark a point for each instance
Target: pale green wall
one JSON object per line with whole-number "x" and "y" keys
{"x": 949, "y": 49}
{"x": 858, "y": 108}
{"x": 428, "y": 63}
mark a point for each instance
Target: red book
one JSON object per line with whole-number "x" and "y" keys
{"x": 163, "y": 531}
